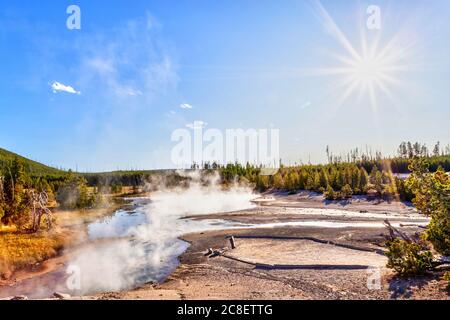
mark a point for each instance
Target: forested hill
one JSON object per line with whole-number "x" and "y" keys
{"x": 31, "y": 167}
{"x": 36, "y": 169}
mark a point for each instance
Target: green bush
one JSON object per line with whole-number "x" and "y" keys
{"x": 408, "y": 258}
{"x": 432, "y": 198}
{"x": 438, "y": 233}
{"x": 330, "y": 194}
{"x": 346, "y": 191}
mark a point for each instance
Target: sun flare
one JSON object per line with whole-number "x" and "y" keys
{"x": 368, "y": 69}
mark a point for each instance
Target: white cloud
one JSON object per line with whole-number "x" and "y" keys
{"x": 186, "y": 106}
{"x": 197, "y": 125}
{"x": 59, "y": 87}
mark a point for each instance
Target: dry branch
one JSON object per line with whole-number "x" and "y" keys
{"x": 392, "y": 231}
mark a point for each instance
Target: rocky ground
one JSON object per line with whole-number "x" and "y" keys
{"x": 296, "y": 262}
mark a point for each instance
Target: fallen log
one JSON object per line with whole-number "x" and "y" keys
{"x": 218, "y": 252}
{"x": 412, "y": 225}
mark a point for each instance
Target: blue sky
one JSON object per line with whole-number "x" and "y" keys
{"x": 239, "y": 64}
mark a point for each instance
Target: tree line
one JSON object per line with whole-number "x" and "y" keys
{"x": 357, "y": 173}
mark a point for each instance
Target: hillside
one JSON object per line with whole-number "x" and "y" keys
{"x": 35, "y": 168}
{"x": 31, "y": 167}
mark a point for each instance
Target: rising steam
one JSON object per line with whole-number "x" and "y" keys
{"x": 143, "y": 247}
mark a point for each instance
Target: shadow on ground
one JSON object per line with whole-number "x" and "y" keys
{"x": 404, "y": 287}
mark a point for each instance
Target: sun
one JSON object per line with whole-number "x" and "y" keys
{"x": 368, "y": 75}
{"x": 368, "y": 69}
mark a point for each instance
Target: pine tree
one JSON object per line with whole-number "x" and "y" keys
{"x": 373, "y": 174}
{"x": 316, "y": 179}
{"x": 278, "y": 182}
{"x": 436, "y": 150}
{"x": 323, "y": 179}
{"x": 356, "y": 180}
{"x": 16, "y": 207}
{"x": 338, "y": 180}
{"x": 378, "y": 182}
{"x": 295, "y": 180}
{"x": 309, "y": 182}
{"x": 364, "y": 179}
{"x": 332, "y": 177}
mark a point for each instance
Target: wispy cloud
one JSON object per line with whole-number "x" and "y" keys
{"x": 59, "y": 87}
{"x": 128, "y": 91}
{"x": 186, "y": 106}
{"x": 132, "y": 61}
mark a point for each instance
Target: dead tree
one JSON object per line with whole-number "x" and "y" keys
{"x": 393, "y": 231}
{"x": 39, "y": 202}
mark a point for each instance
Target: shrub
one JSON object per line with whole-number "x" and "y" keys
{"x": 432, "y": 198}
{"x": 330, "y": 194}
{"x": 447, "y": 276}
{"x": 438, "y": 233}
{"x": 347, "y": 191}
{"x": 408, "y": 258}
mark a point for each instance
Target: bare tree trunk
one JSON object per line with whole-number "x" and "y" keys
{"x": 393, "y": 231}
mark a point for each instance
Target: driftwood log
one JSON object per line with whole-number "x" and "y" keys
{"x": 212, "y": 253}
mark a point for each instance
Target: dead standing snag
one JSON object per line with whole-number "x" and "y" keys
{"x": 39, "y": 202}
